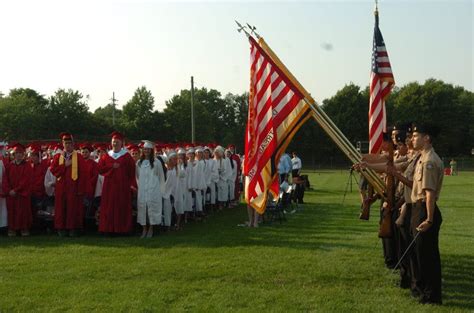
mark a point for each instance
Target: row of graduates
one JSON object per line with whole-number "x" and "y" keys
{"x": 411, "y": 243}
{"x": 165, "y": 184}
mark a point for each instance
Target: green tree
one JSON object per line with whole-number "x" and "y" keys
{"x": 23, "y": 115}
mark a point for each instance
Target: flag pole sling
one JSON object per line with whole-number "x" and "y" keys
{"x": 327, "y": 124}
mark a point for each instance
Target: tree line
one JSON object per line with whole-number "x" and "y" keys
{"x": 27, "y": 115}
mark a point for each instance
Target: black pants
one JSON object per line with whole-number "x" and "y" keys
{"x": 389, "y": 244}
{"x": 427, "y": 261}
{"x": 295, "y": 173}
{"x": 404, "y": 239}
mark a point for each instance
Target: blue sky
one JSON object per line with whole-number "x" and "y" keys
{"x": 98, "y": 47}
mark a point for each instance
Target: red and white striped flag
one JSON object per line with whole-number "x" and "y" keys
{"x": 381, "y": 83}
{"x": 276, "y": 112}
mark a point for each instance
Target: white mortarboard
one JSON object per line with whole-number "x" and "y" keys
{"x": 220, "y": 149}
{"x": 148, "y": 144}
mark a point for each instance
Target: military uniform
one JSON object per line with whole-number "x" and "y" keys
{"x": 428, "y": 175}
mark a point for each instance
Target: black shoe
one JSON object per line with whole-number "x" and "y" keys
{"x": 404, "y": 284}
{"x": 426, "y": 300}
{"x": 415, "y": 293}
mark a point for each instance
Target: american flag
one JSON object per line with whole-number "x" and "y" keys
{"x": 381, "y": 83}
{"x": 276, "y": 112}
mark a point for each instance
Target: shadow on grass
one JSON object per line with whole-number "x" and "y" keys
{"x": 321, "y": 225}
{"x": 458, "y": 280}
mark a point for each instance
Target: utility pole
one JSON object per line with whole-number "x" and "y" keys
{"x": 192, "y": 110}
{"x": 113, "y": 108}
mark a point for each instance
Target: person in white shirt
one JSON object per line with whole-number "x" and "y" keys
{"x": 296, "y": 166}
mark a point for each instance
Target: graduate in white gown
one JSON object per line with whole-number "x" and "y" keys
{"x": 151, "y": 185}
{"x": 3, "y": 204}
{"x": 181, "y": 201}
{"x": 199, "y": 180}
{"x": 211, "y": 175}
{"x": 171, "y": 193}
{"x": 231, "y": 178}
{"x": 190, "y": 163}
{"x": 224, "y": 170}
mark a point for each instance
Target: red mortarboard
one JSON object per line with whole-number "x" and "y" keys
{"x": 34, "y": 148}
{"x": 133, "y": 147}
{"x": 65, "y": 136}
{"x": 117, "y": 135}
{"x": 18, "y": 147}
{"x": 100, "y": 146}
{"x": 87, "y": 146}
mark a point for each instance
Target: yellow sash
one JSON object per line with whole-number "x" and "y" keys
{"x": 74, "y": 164}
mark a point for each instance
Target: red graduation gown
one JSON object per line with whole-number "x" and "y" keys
{"x": 116, "y": 200}
{"x": 92, "y": 170}
{"x": 37, "y": 178}
{"x": 17, "y": 177}
{"x": 69, "y": 194}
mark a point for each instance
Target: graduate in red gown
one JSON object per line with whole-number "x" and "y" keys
{"x": 38, "y": 169}
{"x": 17, "y": 187}
{"x": 118, "y": 169}
{"x": 92, "y": 170}
{"x": 69, "y": 168}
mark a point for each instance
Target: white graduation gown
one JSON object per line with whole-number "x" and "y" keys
{"x": 151, "y": 184}
{"x": 3, "y": 204}
{"x": 199, "y": 183}
{"x": 223, "y": 168}
{"x": 181, "y": 200}
{"x": 212, "y": 176}
{"x": 171, "y": 190}
{"x": 231, "y": 178}
{"x": 189, "y": 201}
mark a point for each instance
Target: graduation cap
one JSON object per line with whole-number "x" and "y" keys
{"x": 87, "y": 146}
{"x": 147, "y": 144}
{"x": 100, "y": 146}
{"x": 117, "y": 135}
{"x": 34, "y": 148}
{"x": 17, "y": 147}
{"x": 426, "y": 129}
{"x": 65, "y": 136}
{"x": 171, "y": 154}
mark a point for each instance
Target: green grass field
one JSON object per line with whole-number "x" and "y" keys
{"x": 323, "y": 259}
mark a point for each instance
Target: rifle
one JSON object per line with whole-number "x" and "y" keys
{"x": 365, "y": 205}
{"x": 385, "y": 230}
